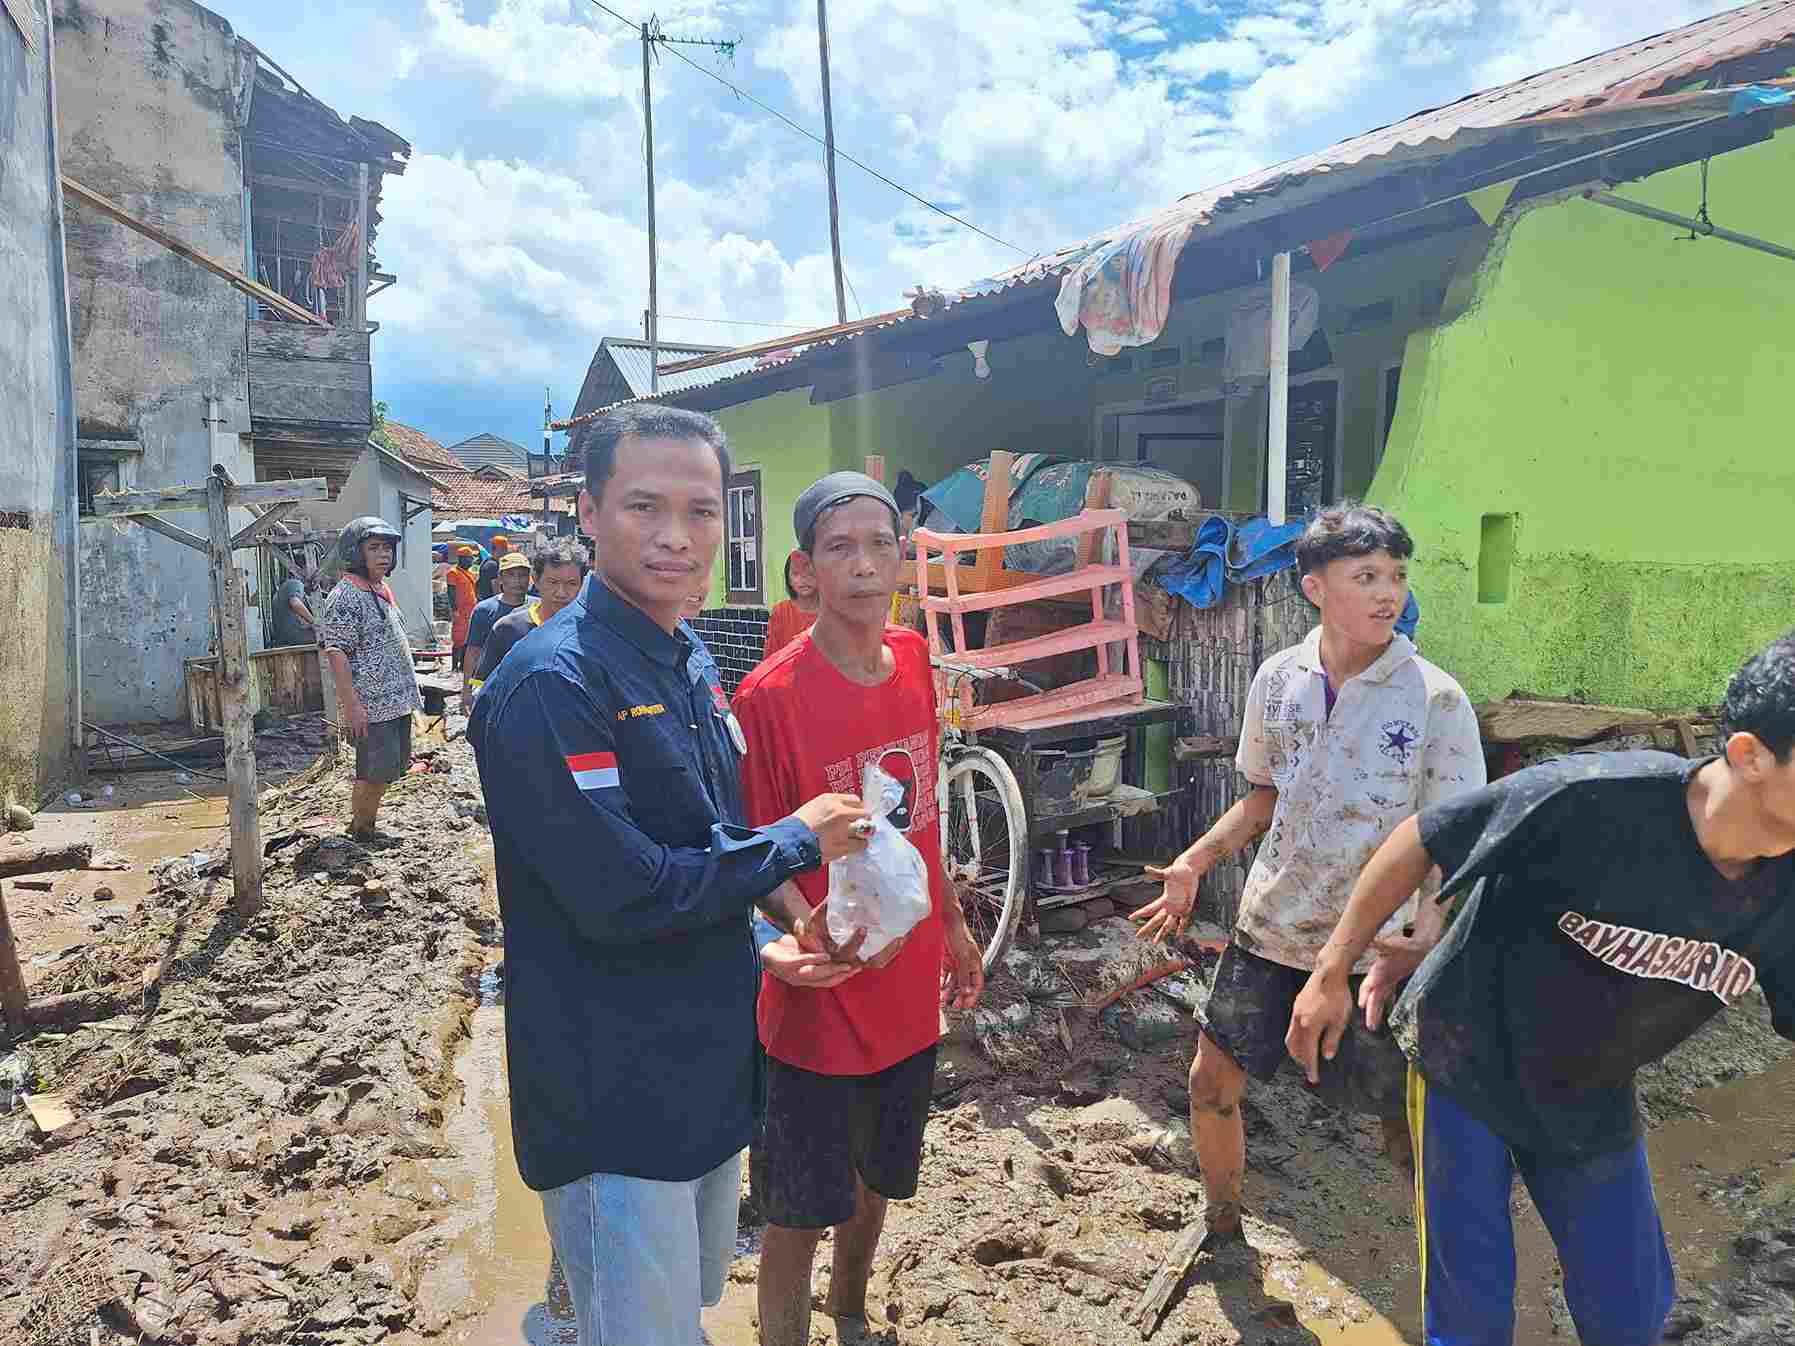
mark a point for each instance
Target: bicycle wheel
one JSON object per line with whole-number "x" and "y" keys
{"x": 986, "y": 847}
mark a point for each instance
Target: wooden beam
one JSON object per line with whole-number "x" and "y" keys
{"x": 358, "y": 293}
{"x": 279, "y": 302}
{"x": 246, "y": 496}
{"x": 36, "y": 857}
{"x": 13, "y": 1000}
{"x": 157, "y": 524}
{"x": 253, "y": 534}
{"x": 12, "y": 11}
{"x": 767, "y": 347}
{"x": 233, "y": 702}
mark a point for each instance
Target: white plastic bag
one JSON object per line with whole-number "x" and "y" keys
{"x": 884, "y": 890}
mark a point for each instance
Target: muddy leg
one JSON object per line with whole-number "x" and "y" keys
{"x": 1216, "y": 1084}
{"x": 364, "y": 797}
{"x": 855, "y": 1243}
{"x": 784, "y": 1285}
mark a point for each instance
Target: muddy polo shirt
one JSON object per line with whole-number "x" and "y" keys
{"x": 1401, "y": 736}
{"x": 365, "y": 626}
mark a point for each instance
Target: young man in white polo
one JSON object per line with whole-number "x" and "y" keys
{"x": 1344, "y": 736}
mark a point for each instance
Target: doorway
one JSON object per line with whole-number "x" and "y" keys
{"x": 1189, "y": 441}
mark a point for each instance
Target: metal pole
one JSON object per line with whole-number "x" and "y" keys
{"x": 1277, "y": 430}
{"x": 654, "y": 340}
{"x": 1706, "y": 228}
{"x": 822, "y": 39}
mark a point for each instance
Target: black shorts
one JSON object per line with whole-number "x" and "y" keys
{"x": 383, "y": 754}
{"x": 1248, "y": 1015}
{"x": 818, "y": 1131}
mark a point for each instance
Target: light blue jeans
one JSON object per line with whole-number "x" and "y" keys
{"x": 642, "y": 1257}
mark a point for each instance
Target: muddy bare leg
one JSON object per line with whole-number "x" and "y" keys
{"x": 855, "y": 1244}
{"x": 364, "y": 804}
{"x": 783, "y": 1285}
{"x": 1216, "y": 1084}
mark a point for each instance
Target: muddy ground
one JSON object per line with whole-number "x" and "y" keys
{"x": 296, "y": 1141}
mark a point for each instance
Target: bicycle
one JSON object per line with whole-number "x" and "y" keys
{"x": 984, "y": 822}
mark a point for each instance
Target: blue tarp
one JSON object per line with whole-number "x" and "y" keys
{"x": 1757, "y": 98}
{"x": 1224, "y": 554}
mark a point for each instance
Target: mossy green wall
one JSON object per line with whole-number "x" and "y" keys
{"x": 788, "y": 440}
{"x": 1623, "y": 395}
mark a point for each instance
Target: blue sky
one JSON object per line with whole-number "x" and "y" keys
{"x": 519, "y": 231}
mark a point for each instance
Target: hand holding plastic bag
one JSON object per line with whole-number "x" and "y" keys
{"x": 884, "y": 889}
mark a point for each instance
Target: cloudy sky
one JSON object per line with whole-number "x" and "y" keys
{"x": 519, "y": 231}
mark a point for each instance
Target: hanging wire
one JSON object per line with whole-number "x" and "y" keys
{"x": 804, "y": 131}
{"x": 1701, "y": 214}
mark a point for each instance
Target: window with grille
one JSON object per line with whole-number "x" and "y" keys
{"x": 744, "y": 542}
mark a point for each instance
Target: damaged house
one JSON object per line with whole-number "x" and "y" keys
{"x": 40, "y": 715}
{"x": 191, "y": 130}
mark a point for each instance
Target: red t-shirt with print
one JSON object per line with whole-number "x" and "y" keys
{"x": 811, "y": 730}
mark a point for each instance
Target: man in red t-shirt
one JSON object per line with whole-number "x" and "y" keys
{"x": 851, "y": 1045}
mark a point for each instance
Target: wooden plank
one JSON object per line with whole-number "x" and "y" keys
{"x": 194, "y": 497}
{"x": 1068, "y": 640}
{"x": 1031, "y": 590}
{"x": 1518, "y": 721}
{"x": 274, "y": 371}
{"x": 13, "y": 1000}
{"x": 51, "y": 1112}
{"x": 358, "y": 292}
{"x": 340, "y": 191}
{"x": 253, "y": 533}
{"x": 36, "y": 857}
{"x": 156, "y": 524}
{"x": 233, "y": 689}
{"x": 261, "y": 293}
{"x": 284, "y": 341}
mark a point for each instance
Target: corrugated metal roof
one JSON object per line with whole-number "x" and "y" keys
{"x": 632, "y": 361}
{"x": 1584, "y": 96}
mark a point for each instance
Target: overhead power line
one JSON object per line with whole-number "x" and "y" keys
{"x": 808, "y": 134}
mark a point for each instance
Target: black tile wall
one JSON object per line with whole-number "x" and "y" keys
{"x": 735, "y": 638}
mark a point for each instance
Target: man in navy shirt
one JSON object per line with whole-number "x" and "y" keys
{"x": 626, "y": 880}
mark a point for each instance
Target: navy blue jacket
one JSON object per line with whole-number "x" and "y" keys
{"x": 626, "y": 883}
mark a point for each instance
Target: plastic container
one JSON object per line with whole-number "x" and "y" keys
{"x": 1081, "y": 865}
{"x": 1085, "y": 769}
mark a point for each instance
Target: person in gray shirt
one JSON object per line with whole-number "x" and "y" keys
{"x": 294, "y": 623}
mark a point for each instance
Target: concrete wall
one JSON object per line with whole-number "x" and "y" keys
{"x": 374, "y": 488}
{"x": 149, "y": 100}
{"x": 35, "y": 416}
{"x": 789, "y": 441}
{"x": 1621, "y": 397}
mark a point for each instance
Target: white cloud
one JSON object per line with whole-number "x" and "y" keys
{"x": 519, "y": 233}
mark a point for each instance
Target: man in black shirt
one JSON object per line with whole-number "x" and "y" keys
{"x": 1614, "y": 902}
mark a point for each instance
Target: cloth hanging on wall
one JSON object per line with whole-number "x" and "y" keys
{"x": 1246, "y": 365}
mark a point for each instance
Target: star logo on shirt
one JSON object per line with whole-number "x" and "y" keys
{"x": 1400, "y": 738}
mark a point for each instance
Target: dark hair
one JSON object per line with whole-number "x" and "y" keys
{"x": 1760, "y": 700}
{"x": 647, "y": 420}
{"x": 1350, "y": 529}
{"x": 790, "y": 592}
{"x": 907, "y": 491}
{"x": 563, "y": 551}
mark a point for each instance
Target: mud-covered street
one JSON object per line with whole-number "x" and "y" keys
{"x": 298, "y": 1133}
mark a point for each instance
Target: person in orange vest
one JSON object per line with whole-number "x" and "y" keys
{"x": 461, "y": 597}
{"x": 489, "y": 570}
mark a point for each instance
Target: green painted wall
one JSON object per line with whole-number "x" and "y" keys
{"x": 788, "y": 440}
{"x": 1622, "y": 395}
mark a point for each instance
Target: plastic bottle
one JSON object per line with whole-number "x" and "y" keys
{"x": 1081, "y": 864}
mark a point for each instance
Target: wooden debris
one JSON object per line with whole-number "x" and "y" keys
{"x": 1151, "y": 1307}
{"x": 34, "y": 858}
{"x": 79, "y": 1007}
{"x": 1521, "y": 721}
{"x": 1171, "y": 967}
{"x": 34, "y": 885}
{"x": 50, "y": 1111}
{"x": 1204, "y": 747}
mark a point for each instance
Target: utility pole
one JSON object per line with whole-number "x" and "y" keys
{"x": 822, "y": 40}
{"x": 654, "y": 336}
{"x": 652, "y": 34}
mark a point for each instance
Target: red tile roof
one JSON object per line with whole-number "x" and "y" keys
{"x": 417, "y": 447}
{"x": 482, "y": 493}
